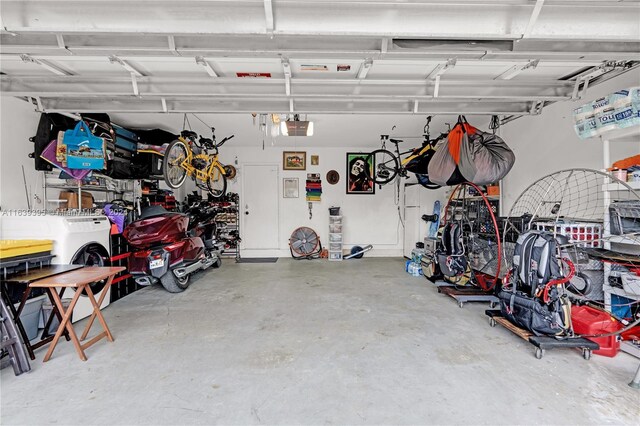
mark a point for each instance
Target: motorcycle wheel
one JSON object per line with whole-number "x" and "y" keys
{"x": 218, "y": 263}
{"x": 173, "y": 284}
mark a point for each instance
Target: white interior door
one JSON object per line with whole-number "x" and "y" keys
{"x": 259, "y": 208}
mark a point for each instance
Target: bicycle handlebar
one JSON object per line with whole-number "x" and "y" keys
{"x": 224, "y": 140}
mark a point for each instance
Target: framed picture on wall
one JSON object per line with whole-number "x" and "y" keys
{"x": 360, "y": 169}
{"x": 292, "y": 160}
{"x": 315, "y": 160}
{"x": 290, "y": 188}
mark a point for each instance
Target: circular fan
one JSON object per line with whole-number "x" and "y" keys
{"x": 469, "y": 208}
{"x": 304, "y": 243}
{"x": 571, "y": 203}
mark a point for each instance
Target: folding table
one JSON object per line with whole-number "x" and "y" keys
{"x": 79, "y": 280}
{"x": 27, "y": 278}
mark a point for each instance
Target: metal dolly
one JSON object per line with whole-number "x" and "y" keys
{"x": 471, "y": 294}
{"x": 542, "y": 343}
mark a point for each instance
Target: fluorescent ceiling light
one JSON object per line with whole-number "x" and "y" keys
{"x": 296, "y": 128}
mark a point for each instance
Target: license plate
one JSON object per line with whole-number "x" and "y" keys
{"x": 158, "y": 263}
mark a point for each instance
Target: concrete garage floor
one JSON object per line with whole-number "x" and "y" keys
{"x": 311, "y": 342}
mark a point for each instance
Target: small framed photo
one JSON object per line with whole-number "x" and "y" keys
{"x": 315, "y": 160}
{"x": 360, "y": 169}
{"x": 292, "y": 160}
{"x": 290, "y": 188}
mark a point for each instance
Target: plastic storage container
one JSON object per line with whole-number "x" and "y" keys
{"x": 579, "y": 233}
{"x": 30, "y": 316}
{"x": 590, "y": 321}
{"x": 47, "y": 308}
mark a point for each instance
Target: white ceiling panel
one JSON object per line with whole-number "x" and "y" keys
{"x": 426, "y": 56}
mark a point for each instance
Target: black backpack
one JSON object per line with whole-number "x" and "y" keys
{"x": 451, "y": 258}
{"x": 535, "y": 264}
{"x": 534, "y": 260}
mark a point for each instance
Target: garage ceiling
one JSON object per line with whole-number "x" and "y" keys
{"x": 357, "y": 56}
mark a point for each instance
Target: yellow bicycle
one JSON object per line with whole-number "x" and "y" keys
{"x": 189, "y": 156}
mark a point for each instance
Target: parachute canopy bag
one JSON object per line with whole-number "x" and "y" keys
{"x": 470, "y": 155}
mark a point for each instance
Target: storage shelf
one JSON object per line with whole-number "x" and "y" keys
{"x": 620, "y": 292}
{"x": 619, "y": 187}
{"x": 86, "y": 188}
{"x": 624, "y": 239}
{"x": 479, "y": 197}
{"x": 631, "y": 133}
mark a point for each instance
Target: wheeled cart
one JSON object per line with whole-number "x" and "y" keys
{"x": 542, "y": 343}
{"x": 472, "y": 294}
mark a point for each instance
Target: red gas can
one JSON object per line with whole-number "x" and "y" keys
{"x": 590, "y": 321}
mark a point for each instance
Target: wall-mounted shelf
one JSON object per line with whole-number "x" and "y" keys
{"x": 619, "y": 187}
{"x": 86, "y": 188}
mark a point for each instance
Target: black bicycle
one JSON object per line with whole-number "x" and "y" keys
{"x": 388, "y": 165}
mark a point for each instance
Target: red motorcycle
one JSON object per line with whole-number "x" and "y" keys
{"x": 165, "y": 250}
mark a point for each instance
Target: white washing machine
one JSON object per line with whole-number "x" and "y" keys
{"x": 76, "y": 239}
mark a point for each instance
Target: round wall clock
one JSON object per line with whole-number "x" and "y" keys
{"x": 333, "y": 177}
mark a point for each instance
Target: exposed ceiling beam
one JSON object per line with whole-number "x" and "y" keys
{"x": 44, "y": 64}
{"x": 234, "y": 81}
{"x": 79, "y": 106}
{"x": 60, "y": 41}
{"x": 309, "y": 96}
{"x": 384, "y": 45}
{"x": 364, "y": 69}
{"x": 207, "y": 67}
{"x": 135, "y": 45}
{"x": 268, "y": 14}
{"x": 533, "y": 18}
{"x": 286, "y": 67}
{"x": 124, "y": 64}
{"x": 171, "y": 41}
{"x": 134, "y": 84}
{"x": 437, "y": 73}
{"x": 517, "y": 69}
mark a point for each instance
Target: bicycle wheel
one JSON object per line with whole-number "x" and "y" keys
{"x": 174, "y": 173}
{"x": 217, "y": 183}
{"x": 386, "y": 166}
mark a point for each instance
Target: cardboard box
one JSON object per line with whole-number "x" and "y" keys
{"x": 72, "y": 200}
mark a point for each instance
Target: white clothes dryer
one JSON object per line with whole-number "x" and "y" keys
{"x": 83, "y": 240}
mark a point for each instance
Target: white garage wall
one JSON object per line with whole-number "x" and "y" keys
{"x": 18, "y": 122}
{"x": 547, "y": 143}
{"x": 368, "y": 219}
